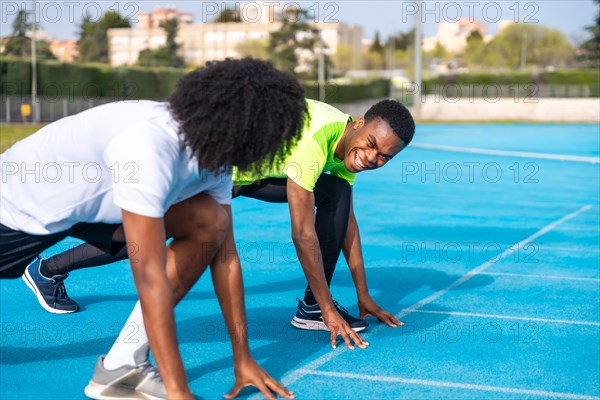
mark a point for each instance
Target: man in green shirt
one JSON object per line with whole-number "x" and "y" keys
{"x": 317, "y": 174}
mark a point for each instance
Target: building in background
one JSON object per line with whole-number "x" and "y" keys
{"x": 159, "y": 15}
{"x": 453, "y": 35}
{"x": 64, "y": 50}
{"x": 200, "y": 43}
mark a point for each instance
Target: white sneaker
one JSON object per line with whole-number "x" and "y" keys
{"x": 129, "y": 382}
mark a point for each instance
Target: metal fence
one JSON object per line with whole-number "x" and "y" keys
{"x": 52, "y": 108}
{"x": 49, "y": 108}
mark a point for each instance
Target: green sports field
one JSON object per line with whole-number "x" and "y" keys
{"x": 10, "y": 134}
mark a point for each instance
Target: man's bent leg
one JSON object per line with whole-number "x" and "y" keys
{"x": 198, "y": 226}
{"x": 80, "y": 257}
{"x": 105, "y": 243}
{"x": 18, "y": 249}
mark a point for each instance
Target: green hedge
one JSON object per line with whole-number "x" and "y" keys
{"x": 15, "y": 76}
{"x": 87, "y": 80}
{"x": 346, "y": 93}
{"x": 589, "y": 78}
{"x": 580, "y": 77}
{"x": 100, "y": 80}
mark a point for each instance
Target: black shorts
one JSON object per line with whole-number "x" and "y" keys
{"x": 18, "y": 249}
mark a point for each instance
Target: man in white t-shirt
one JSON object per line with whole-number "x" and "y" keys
{"x": 132, "y": 174}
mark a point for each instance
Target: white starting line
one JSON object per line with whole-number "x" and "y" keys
{"x": 509, "y": 317}
{"x": 311, "y": 368}
{"x": 449, "y": 385}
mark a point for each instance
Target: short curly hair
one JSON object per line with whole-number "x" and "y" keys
{"x": 396, "y": 115}
{"x": 238, "y": 113}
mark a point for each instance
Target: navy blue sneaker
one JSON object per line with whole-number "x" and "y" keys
{"x": 50, "y": 292}
{"x": 310, "y": 318}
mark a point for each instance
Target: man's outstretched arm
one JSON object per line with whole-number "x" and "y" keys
{"x": 302, "y": 212}
{"x": 227, "y": 279}
{"x": 147, "y": 252}
{"x": 353, "y": 253}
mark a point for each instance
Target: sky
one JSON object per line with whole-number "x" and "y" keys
{"x": 60, "y": 18}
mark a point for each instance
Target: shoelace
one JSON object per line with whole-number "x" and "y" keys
{"x": 146, "y": 368}
{"x": 340, "y": 308}
{"x": 59, "y": 292}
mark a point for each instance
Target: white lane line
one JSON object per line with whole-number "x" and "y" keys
{"x": 532, "y": 276}
{"x": 511, "y": 317}
{"x": 489, "y": 263}
{"x": 454, "y": 385}
{"x": 294, "y": 376}
{"x": 505, "y": 153}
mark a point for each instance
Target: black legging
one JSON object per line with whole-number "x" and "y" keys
{"x": 332, "y": 201}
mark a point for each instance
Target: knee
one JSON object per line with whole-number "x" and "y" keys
{"x": 209, "y": 216}
{"x": 198, "y": 217}
{"x": 220, "y": 221}
{"x": 342, "y": 186}
{"x": 332, "y": 188}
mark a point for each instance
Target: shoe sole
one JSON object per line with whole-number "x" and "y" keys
{"x": 31, "y": 285}
{"x": 310, "y": 325}
{"x": 97, "y": 391}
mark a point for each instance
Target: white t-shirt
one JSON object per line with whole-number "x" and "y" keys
{"x": 87, "y": 167}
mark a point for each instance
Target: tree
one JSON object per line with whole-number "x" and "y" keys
{"x": 171, "y": 27}
{"x": 344, "y": 57}
{"x": 373, "y": 60}
{"x": 474, "y": 49}
{"x": 589, "y": 51}
{"x": 294, "y": 39}
{"x": 19, "y": 42}
{"x": 154, "y": 58}
{"x": 474, "y": 37}
{"x": 541, "y": 45}
{"x": 164, "y": 56}
{"x": 93, "y": 39}
{"x": 403, "y": 41}
{"x": 256, "y": 48}
{"x": 228, "y": 15}
{"x": 376, "y": 47}
{"x": 439, "y": 51}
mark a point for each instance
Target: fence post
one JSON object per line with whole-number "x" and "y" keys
{"x": 8, "y": 108}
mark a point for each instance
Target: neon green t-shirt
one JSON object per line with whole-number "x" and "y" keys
{"x": 312, "y": 155}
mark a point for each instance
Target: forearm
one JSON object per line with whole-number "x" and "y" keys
{"x": 302, "y": 214}
{"x": 156, "y": 298}
{"x": 309, "y": 255}
{"x": 226, "y": 273}
{"x": 352, "y": 249}
{"x": 229, "y": 287}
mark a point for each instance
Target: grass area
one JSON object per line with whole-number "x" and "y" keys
{"x": 10, "y": 134}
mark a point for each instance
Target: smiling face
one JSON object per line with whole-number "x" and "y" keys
{"x": 368, "y": 145}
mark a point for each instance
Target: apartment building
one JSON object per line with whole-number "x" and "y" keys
{"x": 200, "y": 43}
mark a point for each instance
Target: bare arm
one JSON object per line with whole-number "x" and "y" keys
{"x": 352, "y": 249}
{"x": 353, "y": 253}
{"x": 227, "y": 279}
{"x": 146, "y": 236}
{"x": 302, "y": 212}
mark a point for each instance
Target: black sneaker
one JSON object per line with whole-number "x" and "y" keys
{"x": 310, "y": 318}
{"x": 50, "y": 292}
